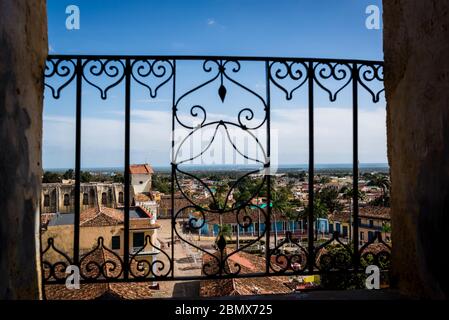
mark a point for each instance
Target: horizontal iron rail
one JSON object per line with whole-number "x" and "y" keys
{"x": 189, "y": 57}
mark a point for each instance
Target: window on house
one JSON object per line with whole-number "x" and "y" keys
{"x": 370, "y": 235}
{"x": 104, "y": 198}
{"x": 362, "y": 235}
{"x": 331, "y": 228}
{"x": 92, "y": 196}
{"x": 371, "y": 223}
{"x": 115, "y": 242}
{"x": 46, "y": 200}
{"x": 345, "y": 231}
{"x": 120, "y": 197}
{"x": 66, "y": 200}
{"x": 85, "y": 199}
{"x": 138, "y": 239}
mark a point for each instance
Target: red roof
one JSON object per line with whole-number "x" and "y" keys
{"x": 248, "y": 263}
{"x": 140, "y": 169}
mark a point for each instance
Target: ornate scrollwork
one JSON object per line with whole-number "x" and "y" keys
{"x": 101, "y": 262}
{"x": 376, "y": 252}
{"x": 339, "y": 72}
{"x": 196, "y": 219}
{"x": 142, "y": 268}
{"x": 110, "y": 68}
{"x": 61, "y": 69}
{"x": 143, "y": 69}
{"x": 57, "y": 269}
{"x": 370, "y": 73}
{"x": 222, "y": 77}
{"x": 293, "y": 70}
{"x": 295, "y": 260}
{"x": 334, "y": 255}
{"x": 221, "y": 69}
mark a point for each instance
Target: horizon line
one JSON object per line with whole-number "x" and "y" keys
{"x": 286, "y": 165}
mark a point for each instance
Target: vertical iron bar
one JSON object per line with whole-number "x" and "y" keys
{"x": 311, "y": 249}
{"x": 76, "y": 222}
{"x": 172, "y": 190}
{"x": 127, "y": 163}
{"x": 267, "y": 170}
{"x": 355, "y": 163}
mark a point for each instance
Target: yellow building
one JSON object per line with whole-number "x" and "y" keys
{"x": 102, "y": 228}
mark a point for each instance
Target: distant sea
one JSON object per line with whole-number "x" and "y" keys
{"x": 320, "y": 167}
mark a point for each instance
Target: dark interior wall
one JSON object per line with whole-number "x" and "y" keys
{"x": 416, "y": 53}
{"x": 23, "y": 49}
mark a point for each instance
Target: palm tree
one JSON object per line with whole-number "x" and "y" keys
{"x": 225, "y": 231}
{"x": 381, "y": 181}
{"x": 328, "y": 196}
{"x": 279, "y": 204}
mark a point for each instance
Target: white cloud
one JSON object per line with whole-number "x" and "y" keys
{"x": 103, "y": 139}
{"x": 211, "y": 22}
{"x": 332, "y": 135}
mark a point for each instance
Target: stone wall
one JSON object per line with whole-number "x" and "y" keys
{"x": 416, "y": 49}
{"x": 23, "y": 49}
{"x": 57, "y": 192}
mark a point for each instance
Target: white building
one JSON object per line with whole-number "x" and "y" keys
{"x": 141, "y": 178}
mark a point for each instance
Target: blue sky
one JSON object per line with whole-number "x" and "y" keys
{"x": 323, "y": 28}
{"x": 328, "y": 29}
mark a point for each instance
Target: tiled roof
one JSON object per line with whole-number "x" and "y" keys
{"x": 340, "y": 216}
{"x": 141, "y": 169}
{"x": 104, "y": 216}
{"x": 249, "y": 263}
{"x": 375, "y": 212}
{"x": 100, "y": 217}
{"x": 140, "y": 290}
{"x": 375, "y": 248}
{"x": 180, "y": 202}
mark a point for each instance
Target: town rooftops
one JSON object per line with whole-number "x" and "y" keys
{"x": 340, "y": 216}
{"x": 375, "y": 212}
{"x": 249, "y": 263}
{"x": 141, "y": 169}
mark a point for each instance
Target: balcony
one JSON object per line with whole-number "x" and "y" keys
{"x": 284, "y": 254}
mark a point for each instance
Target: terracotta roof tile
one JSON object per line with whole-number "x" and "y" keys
{"x": 141, "y": 169}
{"x": 104, "y": 216}
{"x": 249, "y": 263}
{"x": 375, "y": 212}
{"x": 99, "y": 217}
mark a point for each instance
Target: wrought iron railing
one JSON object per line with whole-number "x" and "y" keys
{"x": 103, "y": 73}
